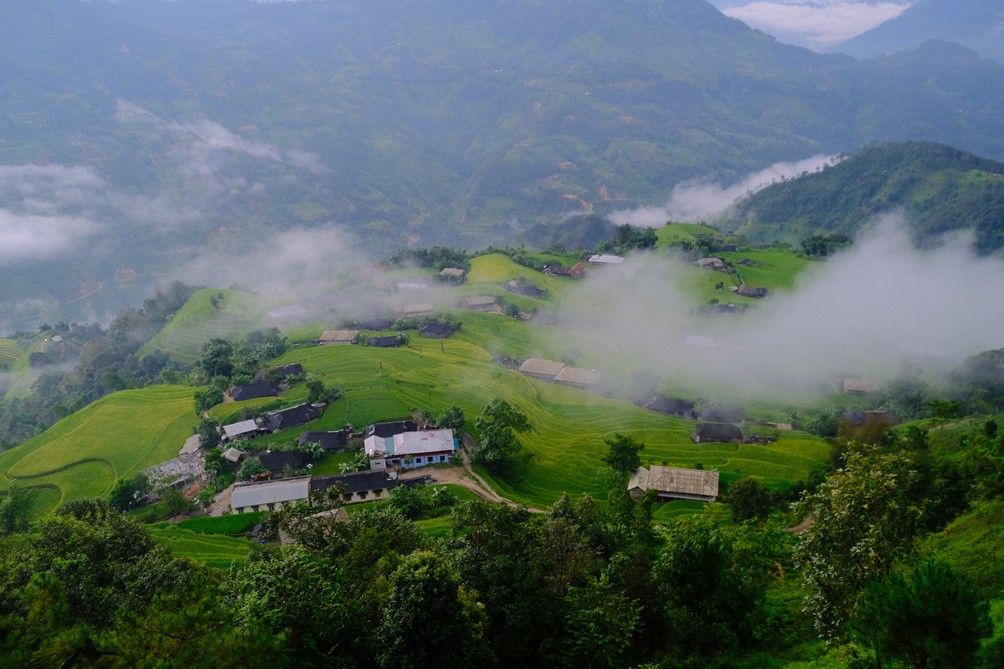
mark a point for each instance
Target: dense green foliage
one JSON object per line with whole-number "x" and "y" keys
{"x": 940, "y": 190}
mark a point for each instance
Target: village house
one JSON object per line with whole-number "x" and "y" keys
{"x": 719, "y": 433}
{"x": 578, "y": 269}
{"x": 353, "y": 487}
{"x": 409, "y": 450}
{"x": 747, "y": 290}
{"x": 388, "y": 341}
{"x": 276, "y": 374}
{"x": 233, "y": 456}
{"x": 577, "y": 378}
{"x": 269, "y": 495}
{"x": 437, "y": 330}
{"x": 606, "y": 259}
{"x": 712, "y": 263}
{"x": 858, "y": 385}
{"x": 276, "y": 462}
{"x": 330, "y": 440}
{"x": 670, "y": 406}
{"x": 252, "y": 391}
{"x": 479, "y": 302}
{"x": 673, "y": 483}
{"x": 292, "y": 417}
{"x": 414, "y": 311}
{"x": 338, "y": 337}
{"x": 452, "y": 273}
{"x": 245, "y": 429}
{"x": 521, "y": 286}
{"x": 541, "y": 368}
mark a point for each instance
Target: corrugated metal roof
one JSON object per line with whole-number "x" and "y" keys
{"x": 237, "y": 429}
{"x": 541, "y": 367}
{"x": 270, "y": 492}
{"x": 577, "y": 377}
{"x": 690, "y": 483}
{"x": 420, "y": 443}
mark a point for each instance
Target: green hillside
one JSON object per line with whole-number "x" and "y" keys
{"x": 940, "y": 189}
{"x": 569, "y": 425}
{"x": 234, "y": 313}
{"x": 116, "y": 437}
{"x": 9, "y": 352}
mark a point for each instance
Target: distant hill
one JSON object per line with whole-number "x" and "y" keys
{"x": 940, "y": 189}
{"x": 976, "y": 24}
{"x": 141, "y": 135}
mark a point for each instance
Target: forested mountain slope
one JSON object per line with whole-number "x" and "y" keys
{"x": 938, "y": 188}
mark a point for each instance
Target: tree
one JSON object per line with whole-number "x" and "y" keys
{"x": 209, "y": 433}
{"x": 749, "y": 500}
{"x": 601, "y": 625}
{"x": 623, "y": 456}
{"x": 251, "y": 467}
{"x": 935, "y": 619}
{"x": 316, "y": 392}
{"x": 217, "y": 358}
{"x": 452, "y": 418}
{"x": 129, "y": 493}
{"x": 497, "y": 425}
{"x": 863, "y": 520}
{"x": 428, "y": 620}
{"x": 15, "y": 509}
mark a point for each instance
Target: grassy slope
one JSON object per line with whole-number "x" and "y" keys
{"x": 115, "y": 437}
{"x": 9, "y": 352}
{"x": 570, "y": 425}
{"x": 214, "y": 550}
{"x": 198, "y": 321}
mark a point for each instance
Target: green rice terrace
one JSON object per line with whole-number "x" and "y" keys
{"x": 116, "y": 437}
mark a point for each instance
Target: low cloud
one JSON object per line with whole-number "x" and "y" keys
{"x": 864, "y": 312}
{"x": 816, "y": 25}
{"x": 697, "y": 199}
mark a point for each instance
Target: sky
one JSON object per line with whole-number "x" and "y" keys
{"x": 818, "y": 25}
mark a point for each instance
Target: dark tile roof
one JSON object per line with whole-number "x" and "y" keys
{"x": 291, "y": 417}
{"x": 374, "y": 324}
{"x": 384, "y": 342}
{"x": 389, "y": 429}
{"x": 354, "y": 482}
{"x": 329, "y": 441}
{"x": 437, "y": 330}
{"x": 723, "y": 432}
{"x": 253, "y": 391}
{"x": 670, "y": 406}
{"x": 276, "y": 461}
{"x": 521, "y": 286}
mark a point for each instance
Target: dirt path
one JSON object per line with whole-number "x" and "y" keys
{"x": 221, "y": 502}
{"x": 801, "y": 527}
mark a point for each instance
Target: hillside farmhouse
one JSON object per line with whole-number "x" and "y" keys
{"x": 338, "y": 336}
{"x": 409, "y": 450}
{"x": 353, "y": 487}
{"x": 670, "y": 406}
{"x": 577, "y": 378}
{"x": 711, "y": 263}
{"x": 269, "y": 495}
{"x": 672, "y": 483}
{"x": 292, "y": 417}
{"x": 521, "y": 286}
{"x": 329, "y": 440}
{"x": 245, "y": 429}
{"x": 480, "y": 302}
{"x": 277, "y": 461}
{"x": 605, "y": 259}
{"x": 452, "y": 273}
{"x": 747, "y": 290}
{"x": 252, "y": 391}
{"x": 415, "y": 311}
{"x": 719, "y": 433}
{"x": 541, "y": 368}
{"x": 437, "y": 330}
{"x": 276, "y": 374}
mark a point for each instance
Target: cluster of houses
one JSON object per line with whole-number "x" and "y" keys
{"x": 391, "y": 447}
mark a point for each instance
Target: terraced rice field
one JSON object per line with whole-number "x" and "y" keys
{"x": 570, "y": 425}
{"x": 214, "y": 550}
{"x": 116, "y": 437}
{"x": 199, "y": 321}
{"x": 9, "y": 352}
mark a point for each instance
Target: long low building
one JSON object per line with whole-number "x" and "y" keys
{"x": 411, "y": 449}
{"x": 674, "y": 483}
{"x": 269, "y": 495}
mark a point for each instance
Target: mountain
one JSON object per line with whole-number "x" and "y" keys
{"x": 140, "y": 136}
{"x": 940, "y": 189}
{"x": 976, "y": 24}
